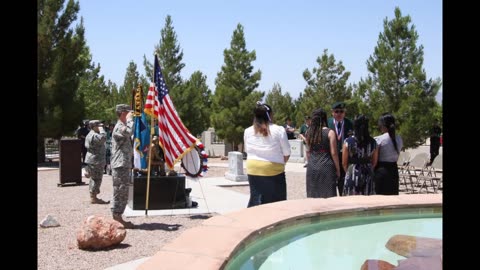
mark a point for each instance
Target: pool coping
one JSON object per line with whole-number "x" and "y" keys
{"x": 211, "y": 245}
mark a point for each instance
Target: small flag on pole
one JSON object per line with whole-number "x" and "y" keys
{"x": 141, "y": 138}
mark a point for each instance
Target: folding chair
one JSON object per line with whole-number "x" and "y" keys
{"x": 416, "y": 167}
{"x": 434, "y": 168}
{"x": 403, "y": 160}
{"x": 418, "y": 164}
{"x": 402, "y": 163}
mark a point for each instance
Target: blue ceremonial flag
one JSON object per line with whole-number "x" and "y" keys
{"x": 141, "y": 140}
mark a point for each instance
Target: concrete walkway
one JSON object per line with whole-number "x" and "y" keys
{"x": 210, "y": 195}
{"x": 211, "y": 198}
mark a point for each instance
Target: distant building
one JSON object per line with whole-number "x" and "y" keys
{"x": 213, "y": 145}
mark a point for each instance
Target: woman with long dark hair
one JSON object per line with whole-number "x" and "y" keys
{"x": 323, "y": 167}
{"x": 268, "y": 149}
{"x": 360, "y": 155}
{"x": 389, "y": 146}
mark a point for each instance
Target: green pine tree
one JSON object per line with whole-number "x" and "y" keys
{"x": 170, "y": 57}
{"x": 197, "y": 111}
{"x": 282, "y": 104}
{"x": 130, "y": 83}
{"x": 188, "y": 100}
{"x": 235, "y": 91}
{"x": 326, "y": 84}
{"x": 112, "y": 101}
{"x": 96, "y": 95}
{"x": 62, "y": 58}
{"x": 397, "y": 82}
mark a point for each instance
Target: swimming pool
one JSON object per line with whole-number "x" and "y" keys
{"x": 220, "y": 240}
{"x": 337, "y": 241}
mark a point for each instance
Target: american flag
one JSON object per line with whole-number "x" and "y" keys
{"x": 174, "y": 137}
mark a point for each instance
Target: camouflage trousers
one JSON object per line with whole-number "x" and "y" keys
{"x": 121, "y": 179}
{"x": 96, "y": 174}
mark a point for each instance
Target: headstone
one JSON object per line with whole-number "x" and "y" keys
{"x": 296, "y": 148}
{"x": 235, "y": 165}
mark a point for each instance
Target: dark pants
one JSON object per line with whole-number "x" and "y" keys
{"x": 267, "y": 189}
{"x": 386, "y": 178}
{"x": 341, "y": 179}
{"x": 84, "y": 153}
{"x": 434, "y": 147}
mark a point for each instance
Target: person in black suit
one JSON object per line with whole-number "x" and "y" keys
{"x": 82, "y": 133}
{"x": 343, "y": 128}
{"x": 435, "y": 142}
{"x": 290, "y": 129}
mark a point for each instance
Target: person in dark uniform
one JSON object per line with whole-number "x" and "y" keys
{"x": 290, "y": 129}
{"x": 343, "y": 128}
{"x": 435, "y": 141}
{"x": 82, "y": 133}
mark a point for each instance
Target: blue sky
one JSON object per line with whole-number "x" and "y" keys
{"x": 287, "y": 36}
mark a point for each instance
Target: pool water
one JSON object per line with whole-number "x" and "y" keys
{"x": 343, "y": 243}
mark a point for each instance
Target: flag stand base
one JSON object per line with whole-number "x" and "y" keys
{"x": 166, "y": 192}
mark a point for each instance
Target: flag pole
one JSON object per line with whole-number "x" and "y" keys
{"x": 152, "y": 130}
{"x": 149, "y": 164}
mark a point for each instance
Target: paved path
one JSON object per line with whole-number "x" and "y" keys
{"x": 211, "y": 197}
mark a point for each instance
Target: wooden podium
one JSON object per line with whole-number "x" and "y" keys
{"x": 166, "y": 192}
{"x": 70, "y": 162}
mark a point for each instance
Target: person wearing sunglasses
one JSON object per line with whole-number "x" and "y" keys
{"x": 343, "y": 127}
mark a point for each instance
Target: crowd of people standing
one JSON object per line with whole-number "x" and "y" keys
{"x": 343, "y": 159}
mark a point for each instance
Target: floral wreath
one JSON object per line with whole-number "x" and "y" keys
{"x": 203, "y": 157}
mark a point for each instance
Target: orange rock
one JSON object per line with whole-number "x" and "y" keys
{"x": 409, "y": 246}
{"x": 377, "y": 265}
{"x": 98, "y": 232}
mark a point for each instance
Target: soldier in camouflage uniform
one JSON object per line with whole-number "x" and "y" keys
{"x": 95, "y": 159}
{"x": 121, "y": 161}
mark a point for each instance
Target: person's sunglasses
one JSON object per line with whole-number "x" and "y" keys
{"x": 339, "y": 111}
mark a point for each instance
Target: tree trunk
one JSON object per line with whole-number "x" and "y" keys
{"x": 234, "y": 146}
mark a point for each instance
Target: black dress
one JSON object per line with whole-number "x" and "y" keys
{"x": 321, "y": 172}
{"x": 359, "y": 175}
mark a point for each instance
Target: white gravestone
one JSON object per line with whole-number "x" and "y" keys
{"x": 235, "y": 165}
{"x": 296, "y": 148}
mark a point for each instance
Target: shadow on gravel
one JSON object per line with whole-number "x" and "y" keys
{"x": 73, "y": 184}
{"x": 157, "y": 226}
{"x": 200, "y": 216}
{"x": 119, "y": 246}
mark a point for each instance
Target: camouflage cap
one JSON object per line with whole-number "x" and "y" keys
{"x": 122, "y": 108}
{"x": 95, "y": 123}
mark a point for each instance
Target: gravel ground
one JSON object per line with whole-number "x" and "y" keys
{"x": 57, "y": 248}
